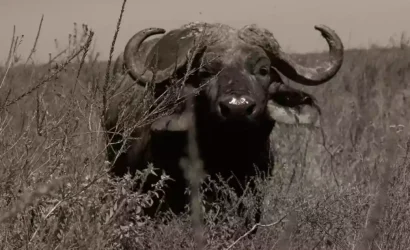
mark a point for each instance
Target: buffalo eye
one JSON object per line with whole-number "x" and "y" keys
{"x": 204, "y": 73}
{"x": 263, "y": 71}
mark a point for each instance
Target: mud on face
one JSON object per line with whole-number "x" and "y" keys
{"x": 236, "y": 79}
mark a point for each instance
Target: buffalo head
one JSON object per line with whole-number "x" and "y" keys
{"x": 236, "y": 71}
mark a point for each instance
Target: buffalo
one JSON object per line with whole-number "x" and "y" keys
{"x": 238, "y": 96}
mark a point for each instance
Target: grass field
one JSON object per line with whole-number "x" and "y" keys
{"x": 341, "y": 186}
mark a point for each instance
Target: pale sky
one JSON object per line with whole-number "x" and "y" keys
{"x": 358, "y": 22}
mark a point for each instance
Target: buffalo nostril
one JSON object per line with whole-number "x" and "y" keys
{"x": 224, "y": 109}
{"x": 250, "y": 109}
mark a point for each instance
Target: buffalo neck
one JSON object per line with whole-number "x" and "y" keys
{"x": 231, "y": 146}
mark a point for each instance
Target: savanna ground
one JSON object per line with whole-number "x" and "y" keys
{"x": 341, "y": 186}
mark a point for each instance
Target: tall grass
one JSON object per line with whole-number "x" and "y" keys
{"x": 341, "y": 186}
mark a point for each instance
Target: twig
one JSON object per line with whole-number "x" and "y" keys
{"x": 44, "y": 80}
{"x": 11, "y": 45}
{"x": 35, "y": 41}
{"x": 12, "y": 53}
{"x": 253, "y": 228}
{"x": 86, "y": 48}
{"x": 58, "y": 55}
{"x": 284, "y": 238}
{"x": 195, "y": 177}
{"x": 107, "y": 73}
{"x": 193, "y": 166}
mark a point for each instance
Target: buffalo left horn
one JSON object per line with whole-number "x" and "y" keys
{"x": 287, "y": 66}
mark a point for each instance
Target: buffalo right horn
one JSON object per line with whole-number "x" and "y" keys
{"x": 166, "y": 55}
{"x": 137, "y": 69}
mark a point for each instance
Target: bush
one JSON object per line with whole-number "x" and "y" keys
{"x": 341, "y": 186}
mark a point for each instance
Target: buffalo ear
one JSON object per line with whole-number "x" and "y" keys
{"x": 291, "y": 106}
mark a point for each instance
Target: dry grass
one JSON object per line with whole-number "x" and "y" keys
{"x": 343, "y": 186}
